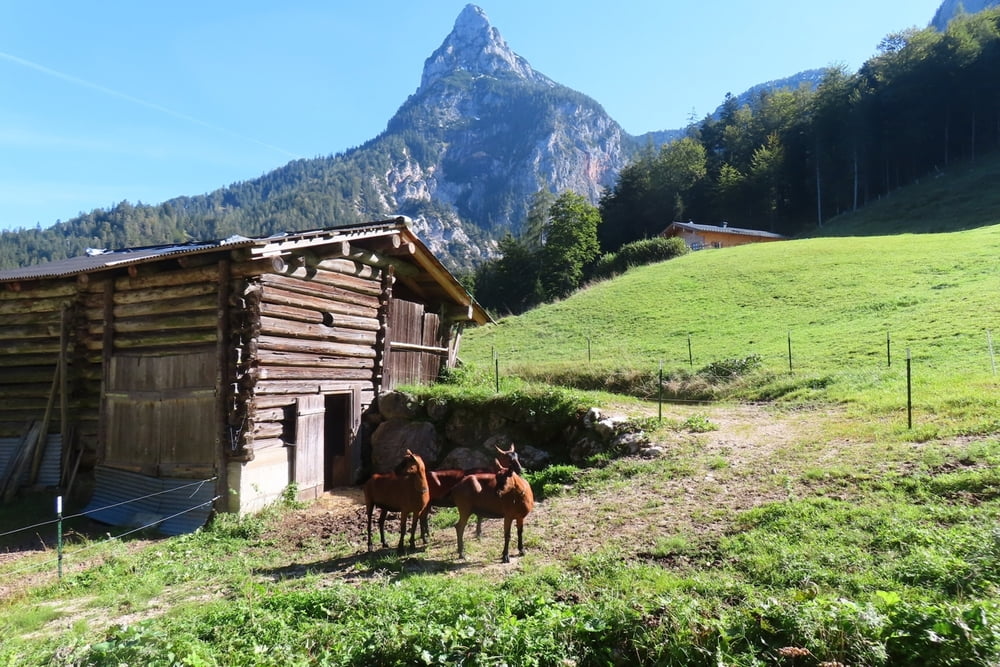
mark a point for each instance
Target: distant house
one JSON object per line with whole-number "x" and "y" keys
{"x": 717, "y": 236}
{"x": 246, "y": 363}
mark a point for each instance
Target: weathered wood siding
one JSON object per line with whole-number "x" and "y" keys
{"x": 312, "y": 330}
{"x": 30, "y": 325}
{"x": 417, "y": 350}
{"x": 161, "y": 414}
{"x": 40, "y": 327}
{"x": 158, "y": 332}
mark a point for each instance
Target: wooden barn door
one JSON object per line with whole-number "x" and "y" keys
{"x": 308, "y": 464}
{"x": 326, "y": 452}
{"x": 160, "y": 414}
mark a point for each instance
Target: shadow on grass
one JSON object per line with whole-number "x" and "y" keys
{"x": 380, "y": 563}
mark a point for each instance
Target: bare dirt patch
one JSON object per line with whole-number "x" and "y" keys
{"x": 713, "y": 476}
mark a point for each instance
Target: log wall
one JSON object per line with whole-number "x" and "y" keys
{"x": 213, "y": 352}
{"x": 313, "y": 329}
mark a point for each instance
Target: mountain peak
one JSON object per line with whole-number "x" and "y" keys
{"x": 475, "y": 46}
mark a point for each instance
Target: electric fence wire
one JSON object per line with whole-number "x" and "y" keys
{"x": 199, "y": 484}
{"x": 38, "y": 565}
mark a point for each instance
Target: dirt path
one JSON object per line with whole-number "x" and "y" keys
{"x": 706, "y": 478}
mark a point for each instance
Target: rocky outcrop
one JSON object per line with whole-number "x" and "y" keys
{"x": 483, "y": 133}
{"x": 949, "y": 9}
{"x": 460, "y": 435}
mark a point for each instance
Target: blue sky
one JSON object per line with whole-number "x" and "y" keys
{"x": 143, "y": 101}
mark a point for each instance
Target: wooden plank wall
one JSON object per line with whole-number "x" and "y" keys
{"x": 170, "y": 315}
{"x": 31, "y": 319}
{"x": 158, "y": 310}
{"x": 312, "y": 329}
{"x": 411, "y": 327}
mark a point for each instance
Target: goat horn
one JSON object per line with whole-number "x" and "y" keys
{"x": 507, "y": 451}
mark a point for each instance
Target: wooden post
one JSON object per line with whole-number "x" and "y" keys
{"x": 660, "y": 393}
{"x": 909, "y": 393}
{"x": 64, "y": 438}
{"x": 993, "y": 360}
{"x": 789, "y": 351}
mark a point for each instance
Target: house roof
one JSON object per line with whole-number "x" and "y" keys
{"x": 431, "y": 279}
{"x": 722, "y": 229}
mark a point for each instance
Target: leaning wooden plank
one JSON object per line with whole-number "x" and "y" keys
{"x": 43, "y": 436}
{"x": 15, "y": 468}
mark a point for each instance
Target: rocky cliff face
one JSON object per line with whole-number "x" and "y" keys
{"x": 482, "y": 134}
{"x": 475, "y": 46}
{"x": 950, "y": 8}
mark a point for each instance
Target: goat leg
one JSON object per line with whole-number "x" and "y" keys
{"x": 400, "y": 549}
{"x": 424, "y": 529}
{"x": 413, "y": 531}
{"x": 520, "y": 536}
{"x": 506, "y": 540}
{"x": 381, "y": 527}
{"x": 370, "y": 509}
{"x": 460, "y": 533}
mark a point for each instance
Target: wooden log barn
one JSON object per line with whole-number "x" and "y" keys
{"x": 244, "y": 362}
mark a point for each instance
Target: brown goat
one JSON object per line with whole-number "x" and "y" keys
{"x": 403, "y": 490}
{"x": 440, "y": 483}
{"x": 504, "y": 494}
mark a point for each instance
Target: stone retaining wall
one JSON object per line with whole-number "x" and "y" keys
{"x": 461, "y": 435}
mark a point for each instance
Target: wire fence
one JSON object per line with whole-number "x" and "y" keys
{"x": 901, "y": 363}
{"x": 59, "y": 519}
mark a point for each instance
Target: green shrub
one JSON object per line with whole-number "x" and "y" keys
{"x": 729, "y": 369}
{"x": 638, "y": 253}
{"x": 552, "y": 481}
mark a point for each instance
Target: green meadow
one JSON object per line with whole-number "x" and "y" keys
{"x": 830, "y": 320}
{"x": 826, "y": 489}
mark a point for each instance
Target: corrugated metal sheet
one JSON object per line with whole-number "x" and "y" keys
{"x": 696, "y": 227}
{"x": 172, "y": 506}
{"x": 96, "y": 260}
{"x": 48, "y": 474}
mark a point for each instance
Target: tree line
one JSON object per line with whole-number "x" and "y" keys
{"x": 789, "y": 160}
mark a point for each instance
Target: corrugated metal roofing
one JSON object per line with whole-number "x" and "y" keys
{"x": 276, "y": 244}
{"x": 101, "y": 259}
{"x": 130, "y": 500}
{"x": 48, "y": 473}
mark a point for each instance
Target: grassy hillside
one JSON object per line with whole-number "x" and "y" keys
{"x": 963, "y": 196}
{"x": 814, "y": 529}
{"x": 837, "y": 300}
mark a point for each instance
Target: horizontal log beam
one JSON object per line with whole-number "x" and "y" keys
{"x": 201, "y": 275}
{"x": 309, "y": 388}
{"x": 281, "y": 344}
{"x": 321, "y": 332}
{"x": 320, "y": 289}
{"x": 294, "y": 299}
{"x": 269, "y": 358}
{"x": 172, "y": 339}
{"x": 306, "y": 373}
{"x": 28, "y": 291}
{"x": 413, "y": 347}
{"x": 319, "y": 317}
